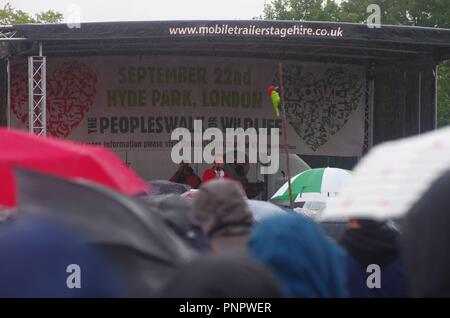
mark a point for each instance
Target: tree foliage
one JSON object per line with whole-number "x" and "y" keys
{"x": 10, "y": 16}
{"x": 443, "y": 95}
{"x": 49, "y": 17}
{"x": 312, "y": 10}
{"x": 427, "y": 13}
{"x": 430, "y": 13}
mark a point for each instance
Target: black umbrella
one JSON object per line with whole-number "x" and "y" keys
{"x": 176, "y": 213}
{"x": 139, "y": 244}
{"x": 169, "y": 187}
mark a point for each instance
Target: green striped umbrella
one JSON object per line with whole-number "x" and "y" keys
{"x": 313, "y": 185}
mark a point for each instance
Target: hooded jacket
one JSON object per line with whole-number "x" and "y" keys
{"x": 223, "y": 213}
{"x": 374, "y": 243}
{"x": 303, "y": 259}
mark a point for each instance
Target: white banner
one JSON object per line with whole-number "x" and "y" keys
{"x": 131, "y": 104}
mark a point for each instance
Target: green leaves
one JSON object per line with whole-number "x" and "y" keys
{"x": 49, "y": 17}
{"x": 429, "y": 13}
{"x": 443, "y": 95}
{"x": 9, "y": 16}
{"x": 313, "y": 10}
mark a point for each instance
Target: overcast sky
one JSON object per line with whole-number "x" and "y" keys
{"x": 139, "y": 10}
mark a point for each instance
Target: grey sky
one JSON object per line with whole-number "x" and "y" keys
{"x": 138, "y": 10}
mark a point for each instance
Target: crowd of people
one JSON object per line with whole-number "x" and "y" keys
{"x": 186, "y": 175}
{"x": 226, "y": 253}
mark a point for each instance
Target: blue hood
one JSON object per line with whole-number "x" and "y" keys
{"x": 298, "y": 252}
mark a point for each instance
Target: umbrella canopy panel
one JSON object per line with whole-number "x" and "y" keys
{"x": 64, "y": 159}
{"x": 392, "y": 177}
{"x": 314, "y": 185}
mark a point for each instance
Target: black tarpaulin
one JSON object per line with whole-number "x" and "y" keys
{"x": 162, "y": 29}
{"x": 244, "y": 38}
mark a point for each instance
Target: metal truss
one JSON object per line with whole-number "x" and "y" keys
{"x": 7, "y": 33}
{"x": 37, "y": 92}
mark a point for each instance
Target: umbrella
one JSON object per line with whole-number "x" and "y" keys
{"x": 176, "y": 213}
{"x": 263, "y": 209}
{"x": 392, "y": 177}
{"x": 314, "y": 185}
{"x": 138, "y": 243}
{"x": 169, "y": 187}
{"x": 61, "y": 158}
{"x": 190, "y": 195}
{"x": 49, "y": 247}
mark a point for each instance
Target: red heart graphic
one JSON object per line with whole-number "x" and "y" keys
{"x": 70, "y": 95}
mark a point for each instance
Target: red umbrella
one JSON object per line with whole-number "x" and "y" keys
{"x": 64, "y": 159}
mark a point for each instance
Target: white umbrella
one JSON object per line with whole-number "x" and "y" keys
{"x": 392, "y": 177}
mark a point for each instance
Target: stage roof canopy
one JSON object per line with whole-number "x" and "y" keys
{"x": 323, "y": 41}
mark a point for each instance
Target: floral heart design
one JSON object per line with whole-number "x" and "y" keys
{"x": 317, "y": 108}
{"x": 71, "y": 89}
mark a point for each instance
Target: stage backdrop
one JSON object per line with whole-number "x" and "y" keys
{"x": 132, "y": 104}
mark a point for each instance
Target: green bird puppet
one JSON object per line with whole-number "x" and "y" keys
{"x": 272, "y": 91}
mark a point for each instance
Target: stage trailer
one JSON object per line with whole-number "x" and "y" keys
{"x": 128, "y": 85}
